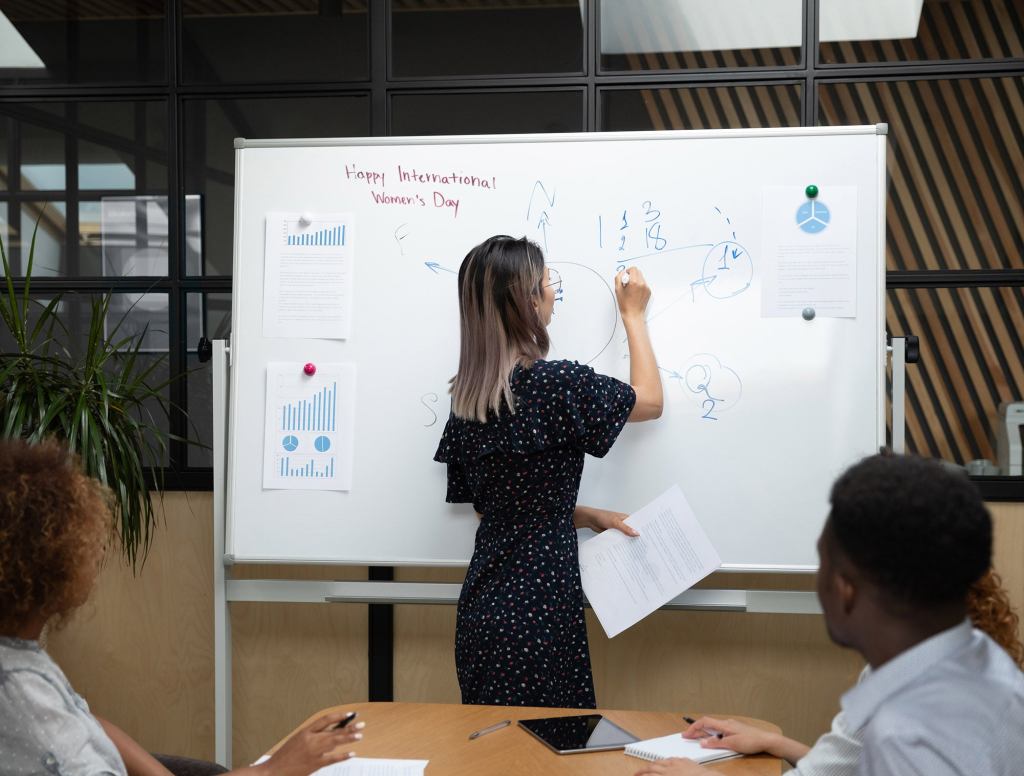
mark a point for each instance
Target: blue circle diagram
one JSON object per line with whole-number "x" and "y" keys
{"x": 728, "y": 270}
{"x": 813, "y": 216}
{"x": 290, "y": 443}
{"x": 322, "y": 444}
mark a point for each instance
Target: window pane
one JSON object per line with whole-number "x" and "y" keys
{"x": 909, "y": 30}
{"x": 486, "y": 37}
{"x": 42, "y": 156}
{"x": 972, "y": 358}
{"x": 4, "y": 151}
{"x": 126, "y": 146}
{"x": 209, "y": 315}
{"x": 19, "y": 225}
{"x": 235, "y": 41}
{"x": 210, "y": 128}
{"x": 954, "y": 163}
{"x": 696, "y": 34}
{"x": 116, "y": 41}
{"x": 74, "y": 312}
{"x": 717, "y": 107}
{"x": 486, "y": 113}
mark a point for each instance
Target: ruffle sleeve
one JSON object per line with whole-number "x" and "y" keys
{"x": 598, "y": 406}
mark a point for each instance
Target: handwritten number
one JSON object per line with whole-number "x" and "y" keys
{"x": 707, "y": 415}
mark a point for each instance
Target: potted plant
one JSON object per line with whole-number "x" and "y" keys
{"x": 104, "y": 402}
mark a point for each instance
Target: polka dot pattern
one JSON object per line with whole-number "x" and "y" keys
{"x": 520, "y": 634}
{"x": 45, "y": 726}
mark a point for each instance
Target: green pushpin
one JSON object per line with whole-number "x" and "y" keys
{"x": 811, "y": 191}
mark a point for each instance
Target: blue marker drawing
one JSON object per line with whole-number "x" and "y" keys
{"x": 728, "y": 271}
{"x": 549, "y": 199}
{"x": 813, "y": 216}
{"x": 543, "y": 226}
{"x": 703, "y": 370}
{"x": 611, "y": 298}
{"x": 432, "y": 397}
{"x": 434, "y": 267}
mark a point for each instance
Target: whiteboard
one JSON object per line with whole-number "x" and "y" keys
{"x": 800, "y": 400}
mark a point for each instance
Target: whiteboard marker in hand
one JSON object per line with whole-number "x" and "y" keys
{"x": 625, "y": 278}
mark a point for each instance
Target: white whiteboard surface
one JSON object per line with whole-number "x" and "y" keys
{"x": 799, "y": 400}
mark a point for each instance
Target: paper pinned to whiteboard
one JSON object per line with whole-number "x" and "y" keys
{"x": 308, "y": 438}
{"x": 307, "y": 286}
{"x": 809, "y": 252}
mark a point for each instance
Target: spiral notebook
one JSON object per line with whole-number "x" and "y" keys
{"x": 676, "y": 746}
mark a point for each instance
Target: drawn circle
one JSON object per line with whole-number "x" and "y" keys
{"x": 290, "y": 443}
{"x": 584, "y": 321}
{"x": 813, "y": 216}
{"x": 711, "y": 384}
{"x": 322, "y": 444}
{"x": 727, "y": 271}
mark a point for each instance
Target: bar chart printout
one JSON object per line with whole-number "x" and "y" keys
{"x": 308, "y": 439}
{"x": 307, "y": 289}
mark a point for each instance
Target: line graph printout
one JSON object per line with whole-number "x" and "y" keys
{"x": 307, "y": 290}
{"x": 309, "y": 425}
{"x": 810, "y": 252}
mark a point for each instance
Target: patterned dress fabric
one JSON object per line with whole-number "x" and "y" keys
{"x": 520, "y": 635}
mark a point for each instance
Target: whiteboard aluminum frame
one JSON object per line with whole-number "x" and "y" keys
{"x": 880, "y": 130}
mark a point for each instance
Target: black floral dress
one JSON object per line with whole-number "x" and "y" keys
{"x": 520, "y": 636}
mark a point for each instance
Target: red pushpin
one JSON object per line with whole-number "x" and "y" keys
{"x": 309, "y": 369}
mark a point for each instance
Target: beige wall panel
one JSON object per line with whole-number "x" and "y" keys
{"x": 290, "y": 660}
{"x": 141, "y": 650}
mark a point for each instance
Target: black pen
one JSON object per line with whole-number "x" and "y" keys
{"x": 342, "y": 722}
{"x": 711, "y": 733}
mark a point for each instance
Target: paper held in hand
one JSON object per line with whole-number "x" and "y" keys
{"x": 626, "y": 578}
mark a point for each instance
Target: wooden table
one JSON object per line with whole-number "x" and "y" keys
{"x": 440, "y": 733}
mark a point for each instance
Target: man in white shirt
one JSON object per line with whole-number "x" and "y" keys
{"x": 903, "y": 543}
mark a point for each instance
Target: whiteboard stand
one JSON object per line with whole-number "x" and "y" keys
{"x": 221, "y": 613}
{"x": 898, "y": 349}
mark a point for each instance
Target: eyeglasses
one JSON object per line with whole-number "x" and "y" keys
{"x": 556, "y": 279}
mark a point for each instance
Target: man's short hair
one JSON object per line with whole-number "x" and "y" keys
{"x": 917, "y": 529}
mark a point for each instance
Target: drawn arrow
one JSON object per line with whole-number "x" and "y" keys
{"x": 671, "y": 373}
{"x": 543, "y": 226}
{"x": 434, "y": 267}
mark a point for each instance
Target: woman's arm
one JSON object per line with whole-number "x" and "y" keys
{"x": 744, "y": 739}
{"x": 137, "y": 761}
{"x": 643, "y": 368}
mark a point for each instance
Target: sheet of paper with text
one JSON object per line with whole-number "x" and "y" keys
{"x": 626, "y": 578}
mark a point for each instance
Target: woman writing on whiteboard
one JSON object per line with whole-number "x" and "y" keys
{"x": 514, "y": 445}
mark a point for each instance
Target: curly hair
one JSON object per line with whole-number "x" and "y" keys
{"x": 54, "y": 526}
{"x": 990, "y": 611}
{"x": 916, "y": 529}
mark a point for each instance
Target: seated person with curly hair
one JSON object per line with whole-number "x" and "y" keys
{"x": 54, "y": 526}
{"x": 905, "y": 557}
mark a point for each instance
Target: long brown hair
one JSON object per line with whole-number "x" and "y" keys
{"x": 989, "y": 609}
{"x": 499, "y": 285}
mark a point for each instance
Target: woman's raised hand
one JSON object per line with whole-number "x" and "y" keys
{"x": 632, "y": 295}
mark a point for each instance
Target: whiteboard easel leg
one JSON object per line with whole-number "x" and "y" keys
{"x": 221, "y": 615}
{"x": 899, "y": 391}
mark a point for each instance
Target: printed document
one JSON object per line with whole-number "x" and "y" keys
{"x": 810, "y": 252}
{"x": 308, "y": 426}
{"x": 369, "y": 766}
{"x": 307, "y": 283}
{"x": 626, "y": 578}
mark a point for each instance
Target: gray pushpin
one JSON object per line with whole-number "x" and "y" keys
{"x": 808, "y": 313}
